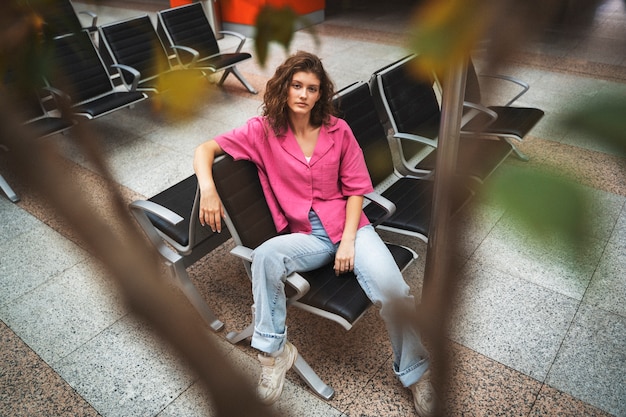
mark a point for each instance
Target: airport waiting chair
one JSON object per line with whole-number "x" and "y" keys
{"x": 512, "y": 122}
{"x": 60, "y": 18}
{"x": 320, "y": 292}
{"x": 34, "y": 116}
{"x": 189, "y": 33}
{"x": 139, "y": 55}
{"x": 411, "y": 195}
{"x": 78, "y": 72}
{"x": 170, "y": 221}
{"x": 410, "y": 109}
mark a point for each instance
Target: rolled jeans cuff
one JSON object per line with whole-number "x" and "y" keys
{"x": 412, "y": 374}
{"x": 268, "y": 342}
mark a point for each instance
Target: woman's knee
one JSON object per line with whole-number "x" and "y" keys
{"x": 383, "y": 280}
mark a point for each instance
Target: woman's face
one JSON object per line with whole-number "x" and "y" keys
{"x": 304, "y": 92}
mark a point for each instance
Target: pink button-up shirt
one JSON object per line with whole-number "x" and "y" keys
{"x": 293, "y": 186}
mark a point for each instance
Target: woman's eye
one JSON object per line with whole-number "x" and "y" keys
{"x": 313, "y": 89}
{"x": 296, "y": 86}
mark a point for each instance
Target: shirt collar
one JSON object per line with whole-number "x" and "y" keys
{"x": 325, "y": 142}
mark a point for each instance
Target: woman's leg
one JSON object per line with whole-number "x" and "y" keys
{"x": 384, "y": 284}
{"x": 272, "y": 262}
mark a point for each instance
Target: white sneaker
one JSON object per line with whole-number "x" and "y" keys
{"x": 424, "y": 397}
{"x": 273, "y": 371}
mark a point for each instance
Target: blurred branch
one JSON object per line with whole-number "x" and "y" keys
{"x": 115, "y": 240}
{"x": 132, "y": 264}
{"x": 444, "y": 33}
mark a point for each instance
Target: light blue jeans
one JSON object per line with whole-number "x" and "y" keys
{"x": 376, "y": 272}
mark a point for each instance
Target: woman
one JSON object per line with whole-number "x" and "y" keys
{"x": 314, "y": 178}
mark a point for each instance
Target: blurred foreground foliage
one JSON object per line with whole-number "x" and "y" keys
{"x": 276, "y": 24}
{"x": 546, "y": 204}
{"x": 445, "y": 32}
{"x": 603, "y": 117}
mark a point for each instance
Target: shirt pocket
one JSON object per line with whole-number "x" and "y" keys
{"x": 329, "y": 184}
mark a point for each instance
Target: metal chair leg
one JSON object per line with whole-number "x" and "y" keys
{"x": 309, "y": 376}
{"x": 194, "y": 297}
{"x": 518, "y": 154}
{"x": 243, "y": 81}
{"x": 6, "y": 188}
{"x": 240, "y": 77}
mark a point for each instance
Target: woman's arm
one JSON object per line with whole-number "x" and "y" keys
{"x": 344, "y": 258}
{"x": 211, "y": 210}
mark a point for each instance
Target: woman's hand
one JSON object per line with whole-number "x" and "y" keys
{"x": 211, "y": 209}
{"x": 344, "y": 258}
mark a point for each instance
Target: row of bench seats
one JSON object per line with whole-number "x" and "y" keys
{"x": 83, "y": 64}
{"x": 170, "y": 219}
{"x": 402, "y": 163}
{"x": 401, "y": 203}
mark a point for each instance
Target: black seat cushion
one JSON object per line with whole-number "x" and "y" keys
{"x": 189, "y": 26}
{"x": 78, "y": 70}
{"x": 77, "y": 65}
{"x": 477, "y": 157}
{"x": 178, "y": 198}
{"x": 342, "y": 295}
{"x": 413, "y": 200}
{"x": 516, "y": 121}
{"x": 134, "y": 42}
{"x": 239, "y": 187}
{"x": 110, "y": 102}
{"x": 225, "y": 60}
{"x": 49, "y": 125}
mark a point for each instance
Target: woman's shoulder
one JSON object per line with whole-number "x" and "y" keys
{"x": 337, "y": 124}
{"x": 257, "y": 121}
{"x": 258, "y": 126}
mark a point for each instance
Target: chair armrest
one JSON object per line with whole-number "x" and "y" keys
{"x": 61, "y": 98}
{"x": 121, "y": 68}
{"x": 478, "y": 109}
{"x": 242, "y": 38}
{"x": 158, "y": 210}
{"x": 525, "y": 86}
{"x": 242, "y": 252}
{"x": 383, "y": 203}
{"x": 139, "y": 209}
{"x": 94, "y": 18}
{"x": 194, "y": 55}
{"x": 300, "y": 285}
{"x": 416, "y": 138}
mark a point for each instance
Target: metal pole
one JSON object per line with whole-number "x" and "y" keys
{"x": 449, "y": 133}
{"x": 439, "y": 284}
{"x": 212, "y": 10}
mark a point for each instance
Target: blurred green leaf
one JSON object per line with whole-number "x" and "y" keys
{"x": 278, "y": 25}
{"x": 603, "y": 118}
{"x": 445, "y": 31}
{"x": 274, "y": 25}
{"x": 549, "y": 206}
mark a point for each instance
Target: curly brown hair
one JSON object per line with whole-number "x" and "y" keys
{"x": 277, "y": 90}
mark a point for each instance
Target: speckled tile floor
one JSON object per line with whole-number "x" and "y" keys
{"x": 536, "y": 333}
